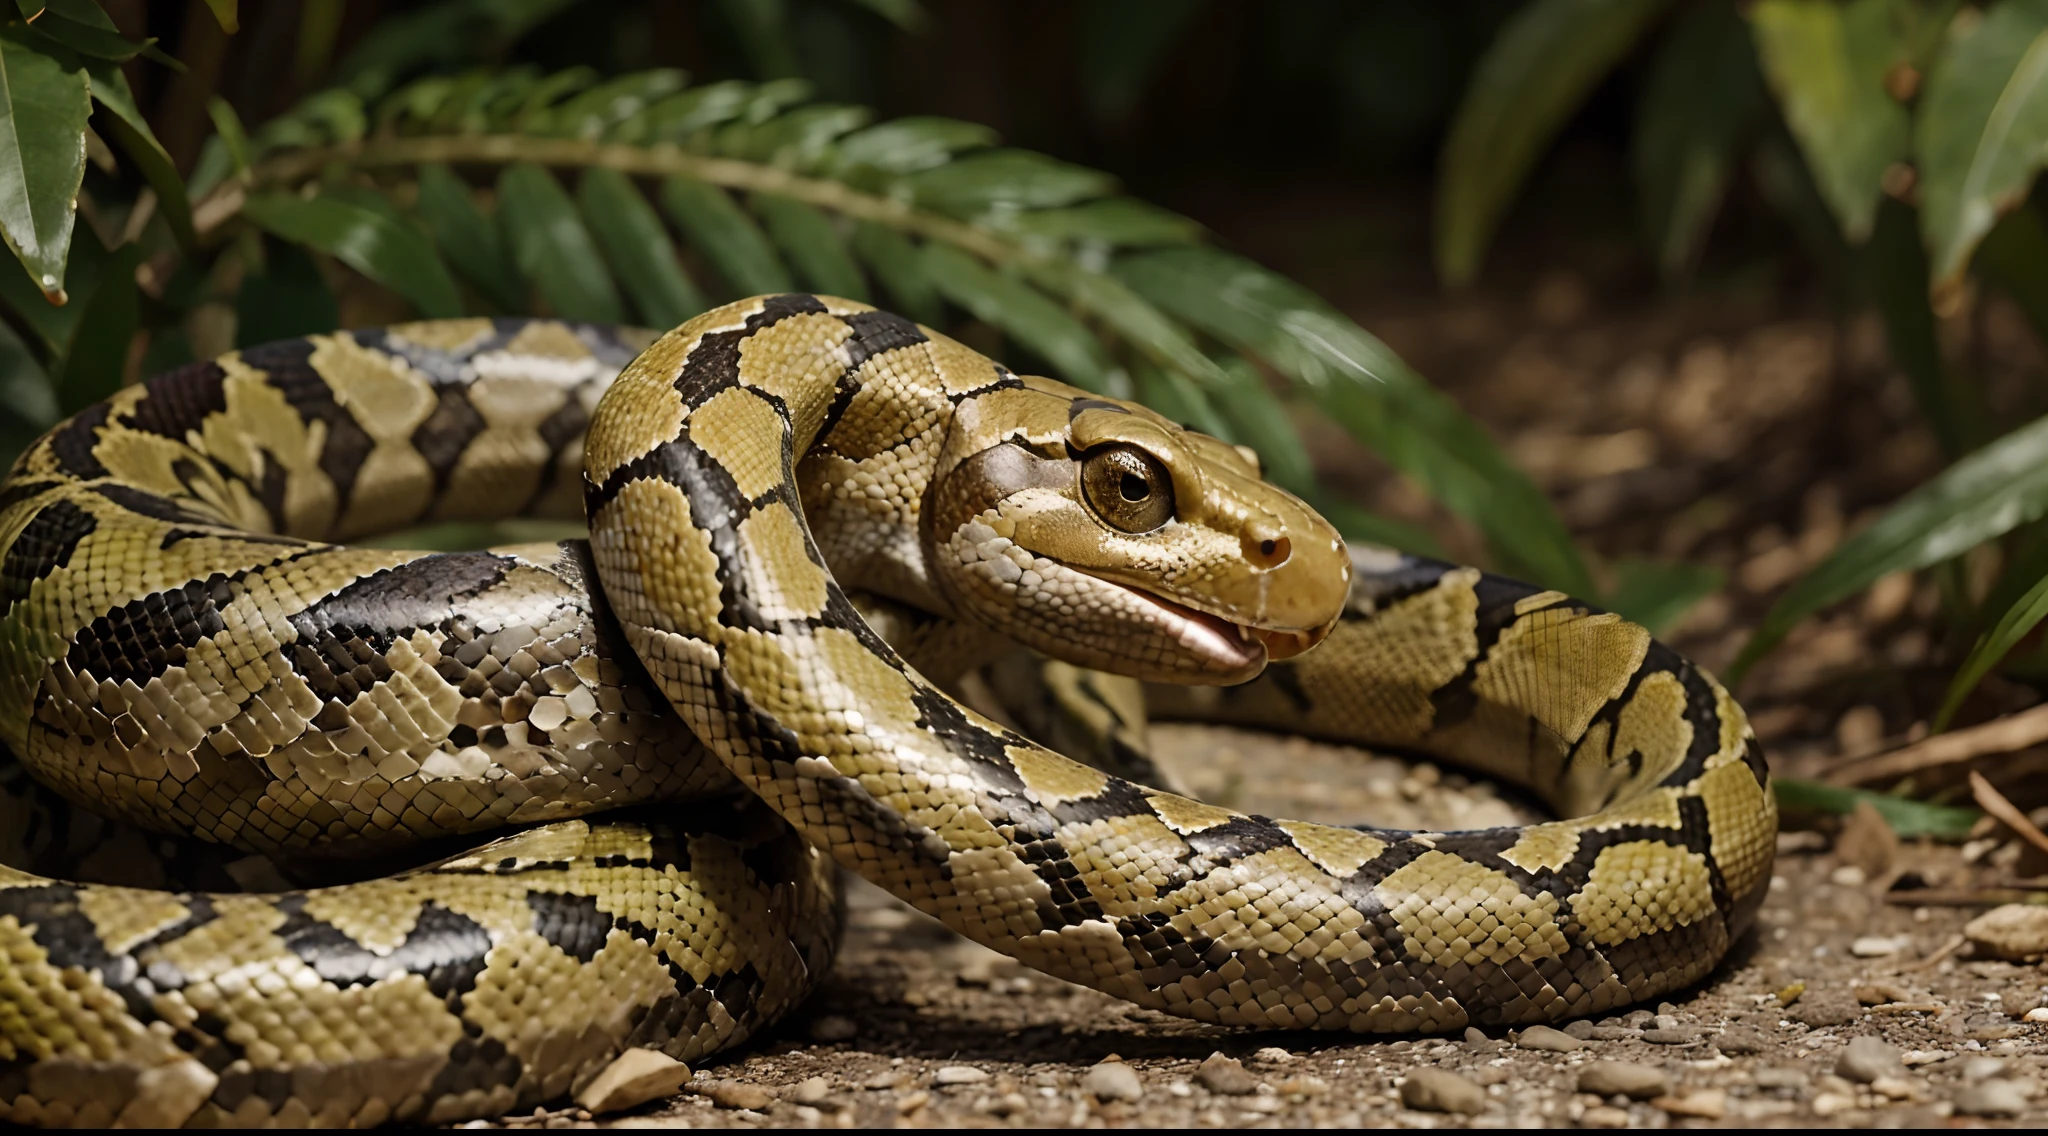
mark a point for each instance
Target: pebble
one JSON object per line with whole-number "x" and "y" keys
{"x": 1477, "y": 1040}
{"x": 1436, "y": 1090}
{"x": 810, "y": 1090}
{"x": 1581, "y": 1028}
{"x": 1113, "y": 1080}
{"x": 1612, "y": 1033}
{"x": 1741, "y": 1041}
{"x": 1605, "y": 1116}
{"x": 1707, "y": 1104}
{"x": 1675, "y": 1035}
{"x": 634, "y": 1078}
{"x": 1818, "y": 1012}
{"x": 2015, "y": 931}
{"x": 1225, "y": 1076}
{"x": 734, "y": 1094}
{"x": 1828, "y": 1104}
{"x": 1779, "y": 1077}
{"x": 1896, "y": 1088}
{"x": 1636, "y": 1082}
{"x": 1991, "y": 1098}
{"x": 1638, "y": 1019}
{"x": 1547, "y": 1040}
{"x": 1982, "y": 1069}
{"x": 1273, "y": 1055}
{"x": 2037, "y": 1014}
{"x": 833, "y": 1027}
{"x": 1880, "y": 946}
{"x": 1865, "y": 1059}
{"x": 959, "y": 1075}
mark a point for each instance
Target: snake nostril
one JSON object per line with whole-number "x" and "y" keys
{"x": 1266, "y": 551}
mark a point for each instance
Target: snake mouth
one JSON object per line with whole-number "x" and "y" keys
{"x": 1239, "y": 650}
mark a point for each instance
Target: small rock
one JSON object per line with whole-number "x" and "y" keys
{"x": 1779, "y": 1077}
{"x": 1865, "y": 1059}
{"x": 1605, "y": 1116}
{"x": 1477, "y": 1041}
{"x": 1636, "y": 1082}
{"x": 1665, "y": 1021}
{"x": 1547, "y": 1040}
{"x": 1991, "y": 1098}
{"x": 833, "y": 1027}
{"x": 911, "y": 1102}
{"x": 1975, "y": 1069}
{"x": 634, "y": 1078}
{"x": 888, "y": 1079}
{"x": 959, "y": 1075}
{"x": 1828, "y": 1104}
{"x": 1581, "y": 1028}
{"x": 1896, "y": 1088}
{"x": 2015, "y": 931}
{"x": 1612, "y": 1033}
{"x": 1302, "y": 1087}
{"x": 1878, "y": 993}
{"x": 1489, "y": 1075}
{"x": 1675, "y": 1035}
{"x": 1266, "y": 1103}
{"x": 1848, "y": 876}
{"x": 2037, "y": 1014}
{"x": 810, "y": 1090}
{"x": 1638, "y": 1019}
{"x": 1880, "y": 946}
{"x": 1708, "y": 1104}
{"x": 1225, "y": 1076}
{"x": 1741, "y": 1041}
{"x": 1113, "y": 1080}
{"x": 733, "y": 1094}
{"x": 1436, "y": 1090}
{"x": 1818, "y": 1012}
{"x": 1273, "y": 1055}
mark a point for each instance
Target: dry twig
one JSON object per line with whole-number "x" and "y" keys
{"x": 1994, "y": 804}
{"x": 2000, "y": 735}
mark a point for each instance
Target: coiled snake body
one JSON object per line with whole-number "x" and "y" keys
{"x": 179, "y": 646}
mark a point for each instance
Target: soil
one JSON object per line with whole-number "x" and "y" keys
{"x": 1724, "y": 429}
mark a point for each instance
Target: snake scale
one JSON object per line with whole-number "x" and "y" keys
{"x": 182, "y": 646}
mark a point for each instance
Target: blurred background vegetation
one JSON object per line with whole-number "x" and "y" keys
{"x": 1102, "y": 190}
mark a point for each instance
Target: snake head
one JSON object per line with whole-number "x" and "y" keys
{"x": 1103, "y": 534}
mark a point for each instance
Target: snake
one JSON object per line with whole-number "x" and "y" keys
{"x": 690, "y": 722}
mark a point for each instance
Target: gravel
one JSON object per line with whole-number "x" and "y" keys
{"x": 1865, "y": 1059}
{"x": 1437, "y": 1090}
{"x": 1636, "y": 1082}
{"x": 1991, "y": 1098}
{"x": 1113, "y": 1080}
{"x": 1226, "y": 1076}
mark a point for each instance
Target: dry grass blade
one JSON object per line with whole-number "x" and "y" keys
{"x": 1994, "y": 804}
{"x": 2001, "y": 735}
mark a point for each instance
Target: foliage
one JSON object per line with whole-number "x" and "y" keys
{"x": 1920, "y": 127}
{"x": 452, "y": 188}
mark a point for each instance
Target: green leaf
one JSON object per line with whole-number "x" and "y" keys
{"x": 43, "y": 108}
{"x": 288, "y": 299}
{"x": 1703, "y": 96}
{"x": 1986, "y": 494}
{"x": 639, "y": 249}
{"x": 552, "y": 248}
{"x": 451, "y": 32}
{"x": 28, "y": 403}
{"x": 391, "y": 253}
{"x": 1361, "y": 527}
{"x": 799, "y": 140}
{"x": 1174, "y": 396}
{"x": 131, "y": 130}
{"x": 726, "y": 236}
{"x": 225, "y": 15}
{"x": 1542, "y": 65}
{"x": 1005, "y": 180}
{"x": 473, "y": 244}
{"x": 908, "y": 15}
{"x": 1023, "y": 313}
{"x": 596, "y": 111}
{"x": 907, "y": 145}
{"x": 1368, "y": 389}
{"x": 2014, "y": 259}
{"x": 1258, "y": 420}
{"x": 1908, "y": 818}
{"x": 1982, "y": 133}
{"x": 1130, "y": 316}
{"x": 1655, "y": 595}
{"x": 1826, "y": 62}
{"x": 1992, "y": 647}
{"x": 52, "y": 324}
{"x": 228, "y": 125}
{"x": 82, "y": 27}
{"x": 99, "y": 347}
{"x": 813, "y": 245}
{"x": 1896, "y": 267}
{"x": 900, "y": 268}
{"x": 1113, "y": 222}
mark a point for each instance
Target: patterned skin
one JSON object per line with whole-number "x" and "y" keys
{"x": 178, "y": 647}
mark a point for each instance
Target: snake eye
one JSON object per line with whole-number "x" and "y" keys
{"x": 1127, "y": 487}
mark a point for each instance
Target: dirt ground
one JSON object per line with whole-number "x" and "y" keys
{"x": 919, "y": 1028}
{"x": 1719, "y": 429}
